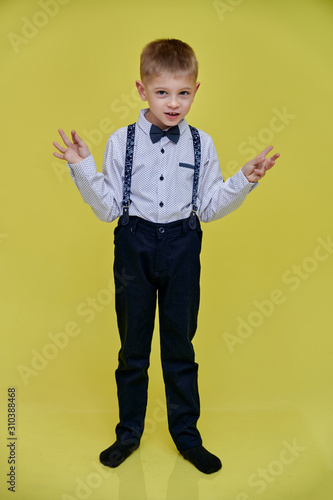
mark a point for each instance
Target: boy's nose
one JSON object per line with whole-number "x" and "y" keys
{"x": 173, "y": 103}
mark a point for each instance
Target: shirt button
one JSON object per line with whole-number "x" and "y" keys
{"x": 161, "y": 178}
{"x": 162, "y": 150}
{"x": 161, "y": 204}
{"x": 161, "y": 230}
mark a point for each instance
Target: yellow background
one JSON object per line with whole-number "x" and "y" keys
{"x": 268, "y": 388}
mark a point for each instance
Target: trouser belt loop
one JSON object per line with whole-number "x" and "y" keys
{"x": 185, "y": 226}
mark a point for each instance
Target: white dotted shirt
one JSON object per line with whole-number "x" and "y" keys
{"x": 162, "y": 178}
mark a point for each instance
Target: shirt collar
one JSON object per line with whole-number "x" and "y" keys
{"x": 145, "y": 125}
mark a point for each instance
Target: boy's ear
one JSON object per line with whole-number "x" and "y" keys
{"x": 141, "y": 90}
{"x": 197, "y": 85}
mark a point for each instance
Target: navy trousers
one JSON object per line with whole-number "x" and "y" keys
{"x": 158, "y": 262}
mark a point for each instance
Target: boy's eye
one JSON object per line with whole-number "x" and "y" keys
{"x": 184, "y": 92}
{"x": 161, "y": 92}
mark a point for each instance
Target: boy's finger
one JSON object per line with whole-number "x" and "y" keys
{"x": 270, "y": 162}
{"x": 259, "y": 171}
{"x": 265, "y": 152}
{"x": 261, "y": 156}
{"x": 275, "y": 157}
{"x": 78, "y": 139}
{"x": 55, "y": 143}
{"x": 64, "y": 137}
{"x": 58, "y": 156}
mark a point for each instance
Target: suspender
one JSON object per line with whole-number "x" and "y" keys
{"x": 197, "y": 160}
{"x": 128, "y": 174}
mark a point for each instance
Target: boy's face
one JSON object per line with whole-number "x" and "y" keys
{"x": 169, "y": 97}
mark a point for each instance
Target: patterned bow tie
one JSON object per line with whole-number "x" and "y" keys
{"x": 172, "y": 133}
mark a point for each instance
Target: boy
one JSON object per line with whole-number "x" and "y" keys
{"x": 160, "y": 177}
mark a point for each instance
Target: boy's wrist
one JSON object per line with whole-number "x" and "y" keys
{"x": 79, "y": 160}
{"x": 246, "y": 177}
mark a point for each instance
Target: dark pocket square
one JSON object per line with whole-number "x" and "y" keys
{"x": 187, "y": 165}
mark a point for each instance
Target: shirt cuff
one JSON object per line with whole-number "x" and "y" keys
{"x": 251, "y": 185}
{"x": 85, "y": 168}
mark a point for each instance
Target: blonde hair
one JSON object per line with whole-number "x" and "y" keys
{"x": 167, "y": 54}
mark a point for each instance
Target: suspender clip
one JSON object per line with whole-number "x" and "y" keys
{"x": 193, "y": 220}
{"x": 125, "y": 216}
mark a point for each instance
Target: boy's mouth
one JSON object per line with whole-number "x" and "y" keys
{"x": 172, "y": 114}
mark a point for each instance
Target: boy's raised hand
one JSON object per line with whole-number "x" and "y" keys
{"x": 75, "y": 151}
{"x": 255, "y": 169}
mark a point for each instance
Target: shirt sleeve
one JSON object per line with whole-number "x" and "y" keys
{"x": 99, "y": 190}
{"x": 217, "y": 198}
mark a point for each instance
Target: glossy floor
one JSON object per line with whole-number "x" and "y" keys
{"x": 273, "y": 454}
